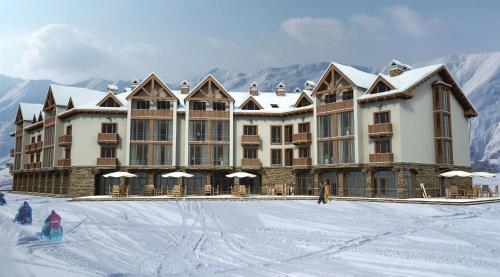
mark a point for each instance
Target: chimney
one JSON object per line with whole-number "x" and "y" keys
{"x": 280, "y": 89}
{"x": 309, "y": 85}
{"x": 397, "y": 68}
{"x": 254, "y": 89}
{"x": 184, "y": 87}
{"x": 112, "y": 88}
{"x": 134, "y": 84}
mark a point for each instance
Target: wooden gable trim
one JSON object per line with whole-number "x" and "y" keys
{"x": 49, "y": 101}
{"x": 70, "y": 104}
{"x": 91, "y": 111}
{"x": 34, "y": 119}
{"x": 380, "y": 78}
{"x": 302, "y": 96}
{"x": 19, "y": 116}
{"x": 210, "y": 80}
{"x": 251, "y": 99}
{"x": 155, "y": 80}
{"x": 113, "y": 97}
{"x": 40, "y": 117}
{"x": 331, "y": 70}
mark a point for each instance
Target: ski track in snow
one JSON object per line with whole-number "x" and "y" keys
{"x": 251, "y": 238}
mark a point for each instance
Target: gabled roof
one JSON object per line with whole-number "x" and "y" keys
{"x": 211, "y": 81}
{"x": 80, "y": 96}
{"x": 28, "y": 110}
{"x": 380, "y": 78}
{"x": 353, "y": 76}
{"x": 152, "y": 79}
{"x": 112, "y": 96}
{"x": 303, "y": 95}
{"x": 251, "y": 99}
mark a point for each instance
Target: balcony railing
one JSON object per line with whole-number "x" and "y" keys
{"x": 301, "y": 138}
{"x": 107, "y": 138}
{"x": 250, "y": 164}
{"x": 38, "y": 146}
{"x": 27, "y": 166}
{"x": 209, "y": 114}
{"x": 380, "y": 130}
{"x": 343, "y": 105}
{"x": 302, "y": 162}
{"x": 37, "y": 165}
{"x": 64, "y": 162}
{"x": 152, "y": 113}
{"x": 65, "y": 140}
{"x": 208, "y": 162}
{"x": 106, "y": 161}
{"x": 250, "y": 139}
{"x": 381, "y": 157}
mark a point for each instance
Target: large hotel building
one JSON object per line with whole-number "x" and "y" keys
{"x": 366, "y": 135}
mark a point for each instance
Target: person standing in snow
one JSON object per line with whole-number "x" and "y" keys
{"x": 321, "y": 193}
{"x": 23, "y": 215}
{"x": 2, "y": 199}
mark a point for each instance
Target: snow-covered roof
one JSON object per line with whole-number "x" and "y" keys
{"x": 30, "y": 109}
{"x": 359, "y": 78}
{"x": 267, "y": 100}
{"x": 405, "y": 80}
{"x": 79, "y": 96}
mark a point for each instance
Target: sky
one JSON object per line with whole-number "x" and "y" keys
{"x": 70, "y": 41}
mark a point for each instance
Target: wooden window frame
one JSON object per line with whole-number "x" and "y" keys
{"x": 304, "y": 124}
{"x": 254, "y": 126}
{"x": 381, "y": 112}
{"x": 439, "y": 138}
{"x": 109, "y": 123}
{"x": 330, "y": 96}
{"x": 285, "y": 134}
{"x": 378, "y": 141}
{"x": 280, "y": 132}
{"x": 250, "y": 148}
{"x": 284, "y": 162}
{"x": 281, "y": 157}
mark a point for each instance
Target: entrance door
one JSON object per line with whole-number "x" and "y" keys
{"x": 195, "y": 185}
{"x": 381, "y": 186}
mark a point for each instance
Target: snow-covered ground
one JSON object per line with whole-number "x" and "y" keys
{"x": 252, "y": 238}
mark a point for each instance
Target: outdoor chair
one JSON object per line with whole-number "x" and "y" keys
{"x": 469, "y": 193}
{"x": 454, "y": 192}
{"x": 123, "y": 190}
{"x": 159, "y": 191}
{"x": 485, "y": 191}
{"x": 148, "y": 190}
{"x": 278, "y": 189}
{"x": 477, "y": 190}
{"x": 208, "y": 190}
{"x": 242, "y": 190}
{"x": 115, "y": 191}
{"x": 177, "y": 192}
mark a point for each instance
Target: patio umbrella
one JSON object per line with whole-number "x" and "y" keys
{"x": 119, "y": 174}
{"x": 177, "y": 174}
{"x": 241, "y": 174}
{"x": 456, "y": 173}
{"x": 483, "y": 174}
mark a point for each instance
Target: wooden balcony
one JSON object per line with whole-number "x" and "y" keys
{"x": 27, "y": 166}
{"x": 65, "y": 140}
{"x": 38, "y": 146}
{"x": 302, "y": 162}
{"x": 64, "y": 162}
{"x": 301, "y": 138}
{"x": 152, "y": 113}
{"x": 12, "y": 152}
{"x": 50, "y": 121}
{"x": 37, "y": 165}
{"x": 381, "y": 157}
{"x": 250, "y": 164}
{"x": 250, "y": 140}
{"x": 107, "y": 138}
{"x": 208, "y": 114}
{"x": 330, "y": 107}
{"x": 31, "y": 148}
{"x": 380, "y": 130}
{"x": 106, "y": 161}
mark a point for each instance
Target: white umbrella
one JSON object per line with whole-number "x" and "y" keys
{"x": 241, "y": 175}
{"x": 456, "y": 173}
{"x": 119, "y": 174}
{"x": 483, "y": 174}
{"x": 177, "y": 174}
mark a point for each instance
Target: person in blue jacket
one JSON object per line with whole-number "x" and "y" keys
{"x": 2, "y": 199}
{"x": 23, "y": 216}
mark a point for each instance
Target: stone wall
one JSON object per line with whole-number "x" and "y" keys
{"x": 81, "y": 181}
{"x": 277, "y": 175}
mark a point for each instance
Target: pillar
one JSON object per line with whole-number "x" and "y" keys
{"x": 370, "y": 189}
{"x": 401, "y": 177}
{"x": 341, "y": 184}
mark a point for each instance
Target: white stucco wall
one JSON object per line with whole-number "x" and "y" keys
{"x": 460, "y": 134}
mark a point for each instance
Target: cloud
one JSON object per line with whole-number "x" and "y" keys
{"x": 64, "y": 54}
{"x": 369, "y": 23}
{"x": 407, "y": 21}
{"x": 311, "y": 30}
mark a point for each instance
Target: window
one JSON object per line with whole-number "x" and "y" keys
{"x": 197, "y": 106}
{"x": 220, "y": 154}
{"x": 33, "y": 139}
{"x": 381, "y": 87}
{"x": 275, "y": 106}
{"x": 108, "y": 128}
{"x": 67, "y": 153}
{"x": 288, "y": 133}
{"x": 345, "y": 124}
{"x": 250, "y": 106}
{"x": 347, "y": 95}
{"x": 289, "y": 157}
{"x": 325, "y": 126}
{"x": 198, "y": 154}
{"x": 140, "y": 105}
{"x": 139, "y": 129}
{"x": 162, "y": 154}
{"x": 250, "y": 130}
{"x": 139, "y": 154}
{"x": 442, "y": 125}
{"x": 49, "y": 135}
{"x": 330, "y": 98}
{"x": 383, "y": 146}
{"x": 303, "y": 103}
{"x": 250, "y": 153}
{"x": 48, "y": 157}
{"x": 304, "y": 127}
{"x": 109, "y": 103}
{"x": 69, "y": 130}
{"x": 276, "y": 157}
{"x": 219, "y": 106}
{"x": 219, "y": 131}
{"x": 304, "y": 152}
{"x": 39, "y": 138}
{"x": 345, "y": 150}
{"x": 163, "y": 130}
{"x": 381, "y": 117}
{"x": 108, "y": 152}
{"x": 163, "y": 105}
{"x": 198, "y": 130}
{"x": 326, "y": 152}
{"x": 275, "y": 134}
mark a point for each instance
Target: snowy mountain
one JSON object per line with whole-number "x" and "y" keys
{"x": 478, "y": 74}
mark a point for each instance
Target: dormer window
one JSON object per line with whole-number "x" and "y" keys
{"x": 275, "y": 106}
{"x": 250, "y": 106}
{"x": 330, "y": 98}
{"x": 109, "y": 103}
{"x": 303, "y": 103}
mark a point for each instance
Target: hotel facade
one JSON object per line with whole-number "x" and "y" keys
{"x": 365, "y": 135}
